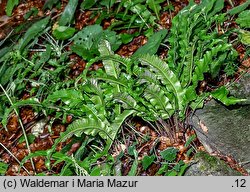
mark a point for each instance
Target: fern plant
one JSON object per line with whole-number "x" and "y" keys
{"x": 158, "y": 89}
{"x": 143, "y": 85}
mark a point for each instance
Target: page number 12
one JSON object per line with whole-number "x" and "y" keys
{"x": 240, "y": 183}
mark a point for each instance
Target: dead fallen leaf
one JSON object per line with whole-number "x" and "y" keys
{"x": 246, "y": 63}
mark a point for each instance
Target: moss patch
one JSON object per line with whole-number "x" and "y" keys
{"x": 209, "y": 165}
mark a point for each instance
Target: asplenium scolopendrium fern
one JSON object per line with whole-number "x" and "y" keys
{"x": 196, "y": 46}
{"x": 155, "y": 90}
{"x": 149, "y": 87}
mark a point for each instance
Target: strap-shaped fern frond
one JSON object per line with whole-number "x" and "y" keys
{"x": 167, "y": 77}
{"x": 146, "y": 76}
{"x": 111, "y": 69}
{"x": 89, "y": 126}
{"x": 125, "y": 61}
{"x": 70, "y": 97}
{"x": 111, "y": 79}
{"x": 92, "y": 87}
{"x": 203, "y": 65}
{"x": 127, "y": 101}
{"x": 110, "y": 66}
{"x": 117, "y": 123}
{"x": 221, "y": 94}
{"x": 156, "y": 96}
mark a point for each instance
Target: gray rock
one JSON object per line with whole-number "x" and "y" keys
{"x": 206, "y": 165}
{"x": 228, "y": 128}
{"x": 241, "y": 89}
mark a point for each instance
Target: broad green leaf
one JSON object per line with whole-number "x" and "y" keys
{"x": 66, "y": 171}
{"x": 171, "y": 173}
{"x": 7, "y": 72}
{"x": 245, "y": 37}
{"x": 183, "y": 169}
{"x": 178, "y": 166}
{"x": 218, "y": 6}
{"x": 239, "y": 8}
{"x": 153, "y": 44}
{"x": 189, "y": 152}
{"x": 126, "y": 38}
{"x": 221, "y": 94}
{"x": 84, "y": 41}
{"x": 169, "y": 154}
{"x": 118, "y": 121}
{"x": 89, "y": 126}
{"x": 45, "y": 56}
{"x": 132, "y": 150}
{"x": 87, "y": 41}
{"x": 198, "y": 102}
{"x": 167, "y": 77}
{"x": 70, "y": 97}
{"x": 206, "y": 63}
{"x": 127, "y": 101}
{"x": 156, "y": 96}
{"x": 68, "y": 13}
{"x": 10, "y": 6}
{"x": 111, "y": 67}
{"x": 112, "y": 38}
{"x": 146, "y": 76}
{"x": 111, "y": 79}
{"x": 147, "y": 161}
{"x": 244, "y": 19}
{"x": 63, "y": 32}
{"x": 60, "y": 157}
{"x": 34, "y": 31}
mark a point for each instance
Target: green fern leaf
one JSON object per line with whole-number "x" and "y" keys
{"x": 110, "y": 66}
{"x": 110, "y": 79}
{"x": 221, "y": 94}
{"x": 117, "y": 123}
{"x": 146, "y": 76}
{"x": 127, "y": 101}
{"x": 203, "y": 65}
{"x": 70, "y": 97}
{"x": 167, "y": 77}
{"x": 156, "y": 96}
{"x": 89, "y": 126}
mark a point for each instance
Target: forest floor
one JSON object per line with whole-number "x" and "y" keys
{"x": 137, "y": 138}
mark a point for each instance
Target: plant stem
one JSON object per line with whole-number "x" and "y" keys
{"x": 21, "y": 124}
{"x": 231, "y": 3}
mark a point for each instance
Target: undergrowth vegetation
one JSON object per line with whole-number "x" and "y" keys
{"x": 144, "y": 85}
